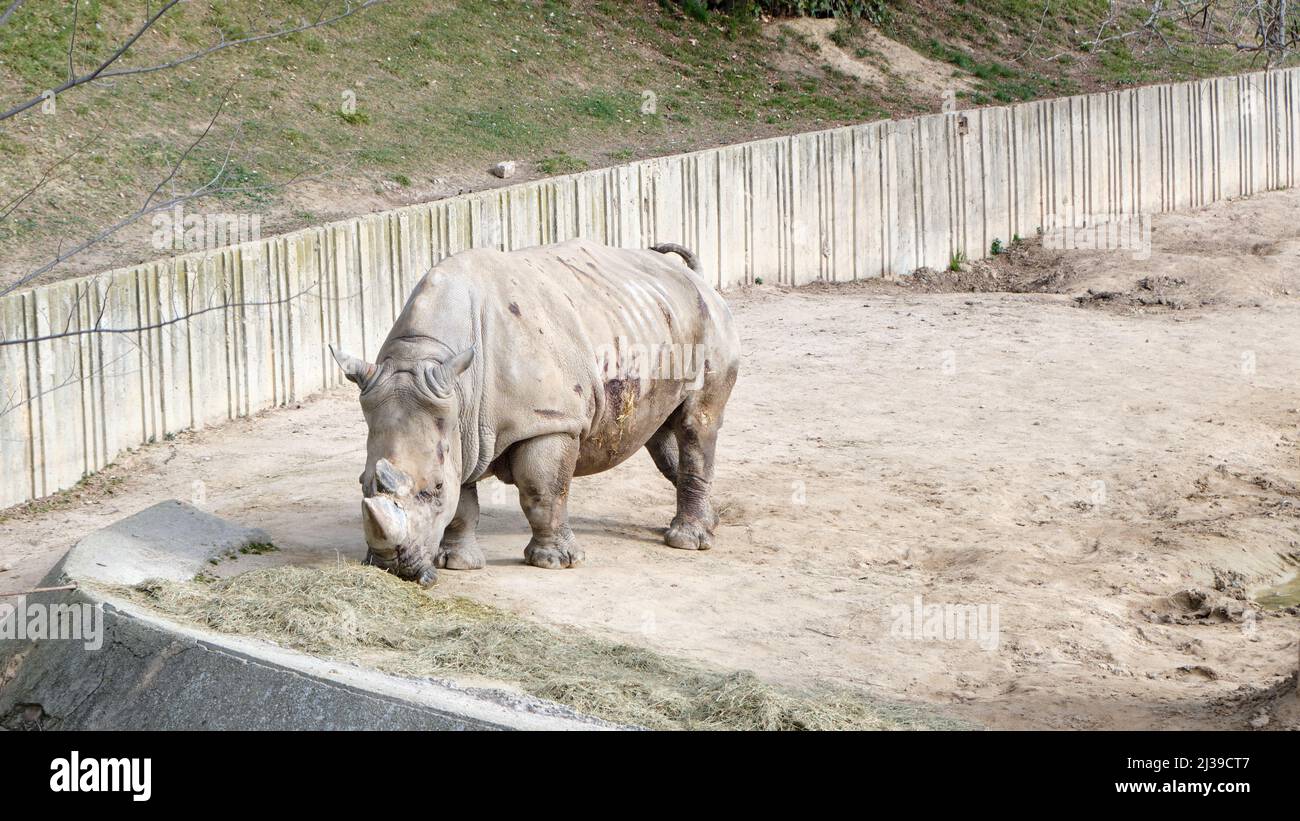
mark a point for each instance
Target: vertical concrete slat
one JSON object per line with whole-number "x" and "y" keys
{"x": 936, "y": 187}
{"x": 668, "y": 178}
{"x": 278, "y": 339}
{"x": 57, "y": 327}
{"x": 625, "y": 189}
{"x": 306, "y": 332}
{"x": 764, "y": 195}
{"x": 16, "y": 466}
{"x": 705, "y": 214}
{"x": 175, "y": 410}
{"x": 733, "y": 203}
{"x": 209, "y": 340}
{"x": 970, "y": 185}
{"x": 1024, "y": 148}
{"x": 905, "y": 202}
{"x": 996, "y": 213}
{"x": 869, "y": 247}
{"x": 840, "y": 188}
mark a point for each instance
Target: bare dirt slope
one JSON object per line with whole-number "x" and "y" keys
{"x": 880, "y": 61}
{"x": 1117, "y": 483}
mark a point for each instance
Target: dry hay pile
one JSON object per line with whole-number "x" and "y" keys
{"x": 361, "y": 614}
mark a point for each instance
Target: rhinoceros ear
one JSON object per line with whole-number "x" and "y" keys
{"x": 356, "y": 370}
{"x": 392, "y": 479}
{"x": 441, "y": 376}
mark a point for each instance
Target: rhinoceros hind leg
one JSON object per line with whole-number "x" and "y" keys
{"x": 695, "y": 427}
{"x": 459, "y": 549}
{"x": 663, "y": 450}
{"x": 543, "y": 469}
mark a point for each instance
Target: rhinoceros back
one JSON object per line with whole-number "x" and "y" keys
{"x": 563, "y": 333}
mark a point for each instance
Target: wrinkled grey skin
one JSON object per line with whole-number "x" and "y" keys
{"x": 500, "y": 365}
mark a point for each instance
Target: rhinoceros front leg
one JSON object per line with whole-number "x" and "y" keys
{"x": 695, "y": 426}
{"x": 543, "y": 468}
{"x": 459, "y": 549}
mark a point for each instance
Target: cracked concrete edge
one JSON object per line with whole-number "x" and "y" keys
{"x": 152, "y": 673}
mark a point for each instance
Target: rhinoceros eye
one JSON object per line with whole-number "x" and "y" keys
{"x": 429, "y": 495}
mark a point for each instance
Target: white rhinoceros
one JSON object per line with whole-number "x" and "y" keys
{"x": 536, "y": 366}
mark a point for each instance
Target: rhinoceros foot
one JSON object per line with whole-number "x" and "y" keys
{"x": 553, "y": 554}
{"x": 465, "y": 555}
{"x": 686, "y": 533}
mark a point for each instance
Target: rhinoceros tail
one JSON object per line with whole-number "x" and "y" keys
{"x": 692, "y": 261}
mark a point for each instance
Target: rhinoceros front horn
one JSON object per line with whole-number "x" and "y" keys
{"x": 355, "y": 369}
{"x": 385, "y": 525}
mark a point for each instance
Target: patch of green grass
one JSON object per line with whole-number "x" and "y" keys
{"x": 561, "y": 164}
{"x": 602, "y": 106}
{"x": 238, "y": 183}
{"x": 697, "y": 10}
{"x": 354, "y": 117}
{"x": 996, "y": 81}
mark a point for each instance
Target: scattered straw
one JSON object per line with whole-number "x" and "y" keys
{"x": 361, "y": 614}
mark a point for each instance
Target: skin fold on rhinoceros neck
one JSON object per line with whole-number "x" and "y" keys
{"x": 440, "y": 320}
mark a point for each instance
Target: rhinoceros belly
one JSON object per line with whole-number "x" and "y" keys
{"x": 633, "y": 410}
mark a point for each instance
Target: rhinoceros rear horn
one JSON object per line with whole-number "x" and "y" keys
{"x": 441, "y": 376}
{"x": 356, "y": 370}
{"x": 391, "y": 479}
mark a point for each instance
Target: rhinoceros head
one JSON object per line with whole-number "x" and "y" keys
{"x": 411, "y": 484}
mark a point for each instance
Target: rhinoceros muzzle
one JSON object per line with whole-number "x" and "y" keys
{"x": 391, "y": 543}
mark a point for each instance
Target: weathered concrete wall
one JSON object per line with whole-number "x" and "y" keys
{"x": 92, "y": 366}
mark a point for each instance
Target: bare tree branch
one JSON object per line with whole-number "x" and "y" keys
{"x": 9, "y": 12}
{"x": 1047, "y": 7}
{"x": 151, "y": 206}
{"x": 320, "y": 22}
{"x": 73, "y": 82}
{"x": 72, "y": 37}
{"x": 1268, "y": 29}
{"x": 18, "y": 200}
{"x": 103, "y": 70}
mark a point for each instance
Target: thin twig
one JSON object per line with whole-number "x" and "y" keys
{"x": 348, "y": 11}
{"x": 72, "y": 37}
{"x": 40, "y": 590}
{"x": 4, "y": 18}
{"x": 103, "y": 70}
{"x": 8, "y": 208}
{"x": 73, "y": 82}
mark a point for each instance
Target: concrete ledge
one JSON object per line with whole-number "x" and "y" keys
{"x": 148, "y": 673}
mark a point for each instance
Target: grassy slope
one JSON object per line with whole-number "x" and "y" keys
{"x": 444, "y": 89}
{"x": 1018, "y": 52}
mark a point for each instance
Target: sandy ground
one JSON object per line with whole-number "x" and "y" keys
{"x": 1116, "y": 478}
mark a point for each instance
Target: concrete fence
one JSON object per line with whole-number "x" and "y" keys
{"x": 93, "y": 366}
